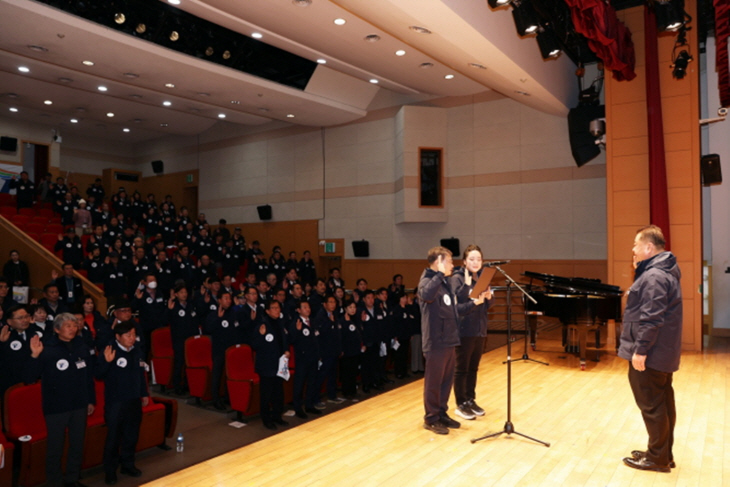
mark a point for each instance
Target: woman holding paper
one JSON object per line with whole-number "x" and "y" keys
{"x": 472, "y": 333}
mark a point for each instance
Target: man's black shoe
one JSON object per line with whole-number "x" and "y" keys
{"x": 437, "y": 428}
{"x": 281, "y": 422}
{"x": 449, "y": 423}
{"x": 638, "y": 455}
{"x": 301, "y": 414}
{"x": 378, "y": 387}
{"x": 313, "y": 411}
{"x": 131, "y": 471}
{"x": 644, "y": 464}
{"x": 219, "y": 405}
{"x": 389, "y": 381}
{"x": 110, "y": 478}
{"x": 270, "y": 426}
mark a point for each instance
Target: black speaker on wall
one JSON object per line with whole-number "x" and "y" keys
{"x": 710, "y": 169}
{"x": 582, "y": 143}
{"x": 361, "y": 248}
{"x": 8, "y": 144}
{"x": 452, "y": 244}
{"x": 158, "y": 167}
{"x": 264, "y": 212}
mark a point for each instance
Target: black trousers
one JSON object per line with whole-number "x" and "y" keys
{"x": 400, "y": 357}
{"x": 305, "y": 375}
{"x": 272, "y": 398}
{"x": 178, "y": 361}
{"x": 57, "y": 424}
{"x": 370, "y": 366}
{"x": 468, "y": 355}
{"x": 122, "y": 419}
{"x": 348, "y": 374}
{"x": 437, "y": 382}
{"x": 654, "y": 395}
{"x": 327, "y": 375}
{"x": 219, "y": 365}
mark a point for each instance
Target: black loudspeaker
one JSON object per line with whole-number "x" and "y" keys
{"x": 158, "y": 167}
{"x": 710, "y": 169}
{"x": 264, "y": 212}
{"x": 8, "y": 144}
{"x": 361, "y": 248}
{"x": 452, "y": 244}
{"x": 582, "y": 144}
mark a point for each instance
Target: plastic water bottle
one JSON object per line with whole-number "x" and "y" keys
{"x": 180, "y": 443}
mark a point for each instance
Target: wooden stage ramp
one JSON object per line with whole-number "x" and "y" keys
{"x": 589, "y": 418}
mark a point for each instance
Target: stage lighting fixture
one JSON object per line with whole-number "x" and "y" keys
{"x": 548, "y": 42}
{"x": 669, "y": 15}
{"x": 525, "y": 18}
{"x": 497, "y": 3}
{"x": 679, "y": 67}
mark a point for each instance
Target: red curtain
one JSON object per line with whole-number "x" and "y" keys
{"x": 659, "y": 200}
{"x": 607, "y": 36}
{"x": 722, "y": 32}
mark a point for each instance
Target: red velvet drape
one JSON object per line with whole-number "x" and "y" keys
{"x": 658, "y": 197}
{"x": 722, "y": 32}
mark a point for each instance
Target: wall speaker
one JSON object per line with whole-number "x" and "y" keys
{"x": 158, "y": 167}
{"x": 582, "y": 143}
{"x": 361, "y": 248}
{"x": 710, "y": 169}
{"x": 452, "y": 244}
{"x": 8, "y": 144}
{"x": 264, "y": 212}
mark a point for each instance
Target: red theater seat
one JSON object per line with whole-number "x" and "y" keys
{"x": 242, "y": 381}
{"x": 6, "y": 473}
{"x": 34, "y": 227}
{"x": 162, "y": 356}
{"x": 20, "y": 221}
{"x": 23, "y": 418}
{"x": 199, "y": 365}
{"x": 8, "y": 211}
{"x": 46, "y": 212}
{"x": 54, "y": 228}
{"x": 48, "y": 240}
{"x": 29, "y": 212}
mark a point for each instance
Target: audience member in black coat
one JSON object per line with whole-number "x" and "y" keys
{"x": 330, "y": 347}
{"x": 303, "y": 336}
{"x": 401, "y": 322}
{"x": 70, "y": 288}
{"x": 115, "y": 278}
{"x": 52, "y": 304}
{"x": 316, "y": 299}
{"x": 15, "y": 340}
{"x": 93, "y": 265}
{"x": 184, "y": 323}
{"x": 16, "y": 271}
{"x": 71, "y": 247}
{"x": 270, "y": 341}
{"x": 6, "y": 296}
{"x": 24, "y": 190}
{"x": 225, "y": 331}
{"x": 150, "y": 303}
{"x": 352, "y": 349}
{"x": 307, "y": 270}
{"x": 372, "y": 319}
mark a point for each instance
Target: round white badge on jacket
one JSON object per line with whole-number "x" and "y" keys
{"x": 447, "y": 300}
{"x": 181, "y": 313}
{"x": 269, "y": 337}
{"x": 62, "y": 364}
{"x": 224, "y": 323}
{"x": 305, "y": 332}
{"x": 352, "y": 327}
{"x": 121, "y": 362}
{"x": 15, "y": 345}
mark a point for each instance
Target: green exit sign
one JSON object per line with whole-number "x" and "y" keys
{"x": 189, "y": 178}
{"x": 329, "y": 247}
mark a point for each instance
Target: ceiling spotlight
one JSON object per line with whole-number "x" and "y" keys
{"x": 163, "y": 125}
{"x": 87, "y": 63}
{"x": 221, "y": 115}
{"x": 65, "y": 80}
{"x": 173, "y": 2}
{"x": 120, "y": 18}
{"x": 102, "y": 88}
{"x": 372, "y": 38}
{"x": 679, "y": 68}
{"x": 169, "y": 85}
{"x": 497, "y": 3}
{"x": 24, "y": 69}
{"x": 226, "y": 54}
{"x": 235, "y": 102}
{"x": 302, "y": 3}
{"x": 110, "y": 114}
{"x": 74, "y": 120}
{"x": 140, "y": 29}
{"x": 340, "y": 21}
{"x": 167, "y": 103}
{"x": 548, "y": 43}
{"x": 449, "y": 76}
{"x": 174, "y": 36}
{"x": 419, "y": 30}
{"x": 209, "y": 51}
{"x": 670, "y": 16}
{"x": 125, "y": 129}
{"x": 257, "y": 35}
{"x": 131, "y": 75}
{"x": 321, "y": 61}
{"x": 289, "y": 115}
{"x": 400, "y": 52}
{"x": 13, "y": 109}
{"x": 36, "y": 48}
{"x": 374, "y": 81}
{"x": 525, "y": 18}
{"x": 48, "y": 102}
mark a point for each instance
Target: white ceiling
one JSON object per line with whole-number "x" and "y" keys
{"x": 462, "y": 32}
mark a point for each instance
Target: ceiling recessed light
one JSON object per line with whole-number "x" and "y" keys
{"x": 257, "y": 35}
{"x": 167, "y": 103}
{"x": 221, "y": 115}
{"x": 374, "y": 81}
{"x": 302, "y": 3}
{"x": 110, "y": 114}
{"x": 48, "y": 102}
{"x": 120, "y": 18}
{"x": 169, "y": 85}
{"x": 102, "y": 88}
{"x": 163, "y": 125}
{"x": 74, "y": 120}
{"x": 24, "y": 69}
{"x": 125, "y": 129}
{"x": 449, "y": 76}
{"x": 289, "y": 115}
{"x": 140, "y": 29}
{"x": 35, "y": 48}
{"x": 372, "y": 38}
{"x": 13, "y": 109}
{"x": 235, "y": 102}
{"x": 425, "y": 65}
{"x": 173, "y": 2}
{"x": 174, "y": 35}
{"x": 340, "y": 21}
{"x": 131, "y": 75}
{"x": 419, "y": 30}
{"x": 400, "y": 52}
{"x": 65, "y": 80}
{"x": 209, "y": 51}
{"x": 322, "y": 61}
{"x": 226, "y": 54}
{"x": 87, "y": 63}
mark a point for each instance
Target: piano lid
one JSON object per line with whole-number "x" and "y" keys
{"x": 575, "y": 285}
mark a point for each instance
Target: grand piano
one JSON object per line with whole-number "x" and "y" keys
{"x": 581, "y": 305}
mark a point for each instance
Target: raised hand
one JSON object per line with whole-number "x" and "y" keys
{"x": 54, "y": 274}
{"x": 109, "y": 353}
{"x": 36, "y": 346}
{"x": 4, "y": 334}
{"x": 299, "y": 325}
{"x": 262, "y": 329}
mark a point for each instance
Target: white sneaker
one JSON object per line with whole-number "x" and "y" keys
{"x": 337, "y": 400}
{"x": 464, "y": 412}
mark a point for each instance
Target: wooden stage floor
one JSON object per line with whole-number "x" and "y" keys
{"x": 589, "y": 418}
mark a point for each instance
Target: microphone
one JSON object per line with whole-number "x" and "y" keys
{"x": 495, "y": 263}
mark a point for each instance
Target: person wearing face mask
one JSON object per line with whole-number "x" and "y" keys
{"x": 151, "y": 306}
{"x": 472, "y": 334}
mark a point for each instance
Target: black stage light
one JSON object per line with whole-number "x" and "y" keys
{"x": 525, "y": 18}
{"x": 679, "y": 68}
{"x": 669, "y": 15}
{"x": 548, "y": 42}
{"x": 497, "y": 3}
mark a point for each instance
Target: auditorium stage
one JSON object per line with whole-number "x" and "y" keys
{"x": 589, "y": 418}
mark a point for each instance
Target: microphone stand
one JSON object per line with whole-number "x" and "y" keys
{"x": 509, "y": 428}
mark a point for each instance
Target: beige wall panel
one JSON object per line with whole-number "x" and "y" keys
{"x": 630, "y": 172}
